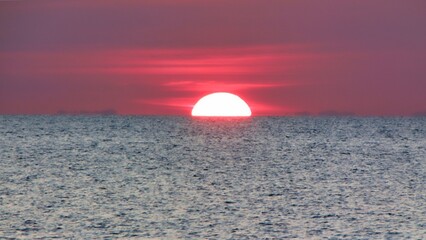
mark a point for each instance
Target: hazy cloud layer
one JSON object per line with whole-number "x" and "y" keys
{"x": 159, "y": 57}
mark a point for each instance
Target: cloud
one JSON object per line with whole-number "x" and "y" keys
{"x": 139, "y": 57}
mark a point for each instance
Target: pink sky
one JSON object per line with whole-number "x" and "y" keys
{"x": 160, "y": 57}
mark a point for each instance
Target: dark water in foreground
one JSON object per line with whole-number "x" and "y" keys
{"x": 176, "y": 177}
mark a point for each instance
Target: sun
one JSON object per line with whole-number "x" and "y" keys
{"x": 221, "y": 104}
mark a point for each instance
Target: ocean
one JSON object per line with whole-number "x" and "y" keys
{"x": 107, "y": 177}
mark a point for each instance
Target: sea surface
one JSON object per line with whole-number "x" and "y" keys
{"x": 107, "y": 177}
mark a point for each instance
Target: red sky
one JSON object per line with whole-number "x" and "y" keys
{"x": 283, "y": 57}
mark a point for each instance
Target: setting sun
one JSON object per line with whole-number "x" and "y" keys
{"x": 221, "y": 104}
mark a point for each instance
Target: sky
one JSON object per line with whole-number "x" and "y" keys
{"x": 158, "y": 57}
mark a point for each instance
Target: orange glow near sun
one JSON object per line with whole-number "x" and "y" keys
{"x": 221, "y": 104}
